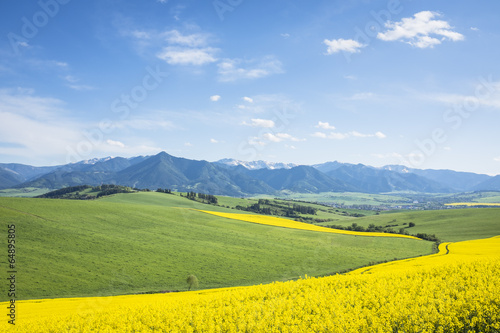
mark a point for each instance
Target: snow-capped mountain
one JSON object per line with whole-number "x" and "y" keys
{"x": 95, "y": 160}
{"x": 256, "y": 165}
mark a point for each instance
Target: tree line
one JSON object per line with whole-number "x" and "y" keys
{"x": 206, "y": 198}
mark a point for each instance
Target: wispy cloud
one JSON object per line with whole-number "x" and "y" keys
{"x": 264, "y": 123}
{"x": 238, "y": 69}
{"x": 325, "y": 125}
{"x": 491, "y": 100}
{"x": 422, "y": 30}
{"x": 24, "y": 102}
{"x": 344, "y": 45}
{"x": 361, "y": 96}
{"x": 279, "y": 137}
{"x": 351, "y": 134}
{"x": 115, "y": 143}
{"x": 34, "y": 126}
{"x": 147, "y": 124}
{"x": 72, "y": 82}
{"x": 80, "y": 87}
{"x": 215, "y": 98}
{"x": 191, "y": 40}
{"x": 174, "y": 55}
{"x": 176, "y": 47}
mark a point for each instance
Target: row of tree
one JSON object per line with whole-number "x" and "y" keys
{"x": 268, "y": 207}
{"x": 167, "y": 190}
{"x": 207, "y": 198}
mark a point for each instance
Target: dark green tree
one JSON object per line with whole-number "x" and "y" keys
{"x": 192, "y": 281}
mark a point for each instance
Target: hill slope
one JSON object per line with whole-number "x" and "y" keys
{"x": 143, "y": 242}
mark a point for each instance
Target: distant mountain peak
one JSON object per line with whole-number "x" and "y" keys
{"x": 256, "y": 165}
{"x": 95, "y": 160}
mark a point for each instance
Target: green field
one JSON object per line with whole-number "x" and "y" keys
{"x": 150, "y": 242}
{"x": 348, "y": 198}
{"x": 451, "y": 225}
{"x": 27, "y": 192}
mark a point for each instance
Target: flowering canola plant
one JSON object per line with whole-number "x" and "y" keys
{"x": 285, "y": 223}
{"x": 473, "y": 204}
{"x": 455, "y": 290}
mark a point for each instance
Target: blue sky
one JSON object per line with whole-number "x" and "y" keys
{"x": 372, "y": 82}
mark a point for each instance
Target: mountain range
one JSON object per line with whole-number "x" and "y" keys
{"x": 240, "y": 178}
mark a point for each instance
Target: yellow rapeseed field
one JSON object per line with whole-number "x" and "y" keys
{"x": 455, "y": 290}
{"x": 285, "y": 223}
{"x": 470, "y": 204}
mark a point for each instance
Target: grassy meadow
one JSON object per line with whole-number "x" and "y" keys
{"x": 150, "y": 242}
{"x": 451, "y": 225}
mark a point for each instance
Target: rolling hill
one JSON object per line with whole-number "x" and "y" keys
{"x": 150, "y": 242}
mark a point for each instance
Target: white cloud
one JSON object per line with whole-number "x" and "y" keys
{"x": 215, "y": 98}
{"x": 146, "y": 124}
{"x": 188, "y": 144}
{"x": 337, "y": 136}
{"x": 359, "y": 135}
{"x": 175, "y": 47}
{"x": 319, "y": 135}
{"x": 285, "y": 35}
{"x": 174, "y": 55}
{"x": 264, "y": 123}
{"x": 271, "y": 137}
{"x": 192, "y": 40}
{"x": 343, "y": 136}
{"x": 267, "y": 138}
{"x": 115, "y": 143}
{"x": 345, "y": 45}
{"x": 474, "y": 29}
{"x": 417, "y": 30}
{"x": 237, "y": 69}
{"x": 38, "y": 129}
{"x": 25, "y": 102}
{"x": 361, "y": 96}
{"x": 325, "y": 125}
{"x": 60, "y": 64}
{"x": 248, "y": 99}
{"x": 80, "y": 87}
{"x": 255, "y": 141}
{"x": 214, "y": 141}
{"x": 33, "y": 126}
{"x": 491, "y": 99}
{"x": 497, "y": 159}
{"x": 71, "y": 79}
{"x": 279, "y": 137}
{"x": 141, "y": 34}
{"x": 350, "y": 77}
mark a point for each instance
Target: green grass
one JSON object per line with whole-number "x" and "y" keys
{"x": 23, "y": 192}
{"x": 348, "y": 198}
{"x": 141, "y": 242}
{"x": 323, "y": 212}
{"x": 451, "y": 225}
